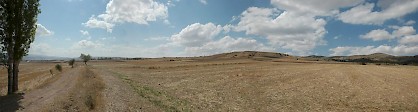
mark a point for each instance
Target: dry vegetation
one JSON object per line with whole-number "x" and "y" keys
{"x": 243, "y": 83}
{"x": 249, "y": 85}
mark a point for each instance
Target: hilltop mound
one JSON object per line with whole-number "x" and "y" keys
{"x": 374, "y": 56}
{"x": 246, "y": 54}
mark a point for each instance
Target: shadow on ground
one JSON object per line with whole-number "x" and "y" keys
{"x": 10, "y": 103}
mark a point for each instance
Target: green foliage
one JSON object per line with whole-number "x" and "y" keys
{"x": 58, "y": 67}
{"x": 17, "y": 31}
{"x": 85, "y": 58}
{"x": 71, "y": 63}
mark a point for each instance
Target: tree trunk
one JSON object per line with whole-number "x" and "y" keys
{"x": 10, "y": 70}
{"x": 85, "y": 62}
{"x": 16, "y": 76}
{"x": 10, "y": 78}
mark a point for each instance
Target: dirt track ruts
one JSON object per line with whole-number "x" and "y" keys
{"x": 36, "y": 99}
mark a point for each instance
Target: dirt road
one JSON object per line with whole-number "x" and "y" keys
{"x": 38, "y": 98}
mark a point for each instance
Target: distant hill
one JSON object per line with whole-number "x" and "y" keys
{"x": 377, "y": 58}
{"x": 245, "y": 54}
{"x": 43, "y": 57}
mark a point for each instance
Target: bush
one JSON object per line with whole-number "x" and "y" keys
{"x": 363, "y": 63}
{"x": 71, "y": 63}
{"x": 58, "y": 67}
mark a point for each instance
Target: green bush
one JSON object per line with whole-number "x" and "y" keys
{"x": 58, "y": 67}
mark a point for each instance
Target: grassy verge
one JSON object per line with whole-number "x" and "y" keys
{"x": 158, "y": 98}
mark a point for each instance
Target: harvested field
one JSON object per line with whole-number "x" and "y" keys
{"x": 244, "y": 84}
{"x": 248, "y": 85}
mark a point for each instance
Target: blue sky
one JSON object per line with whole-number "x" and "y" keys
{"x": 158, "y": 28}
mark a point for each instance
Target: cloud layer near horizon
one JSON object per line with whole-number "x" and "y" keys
{"x": 297, "y": 27}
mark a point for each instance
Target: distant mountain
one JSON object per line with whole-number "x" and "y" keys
{"x": 43, "y": 57}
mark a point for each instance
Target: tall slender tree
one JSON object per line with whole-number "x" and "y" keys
{"x": 19, "y": 28}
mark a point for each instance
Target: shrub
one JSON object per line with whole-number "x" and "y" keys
{"x": 363, "y": 63}
{"x": 58, "y": 67}
{"x": 71, "y": 63}
{"x": 85, "y": 58}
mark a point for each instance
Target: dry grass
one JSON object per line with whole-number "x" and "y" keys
{"x": 85, "y": 96}
{"x": 31, "y": 76}
{"x": 257, "y": 84}
{"x": 251, "y": 85}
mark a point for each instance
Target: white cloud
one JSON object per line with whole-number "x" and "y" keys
{"x": 203, "y": 2}
{"x": 170, "y": 3}
{"x": 314, "y": 7}
{"x": 382, "y": 34}
{"x": 42, "y": 31}
{"x": 377, "y": 35}
{"x": 95, "y": 23}
{"x": 86, "y": 44}
{"x": 167, "y": 22}
{"x": 85, "y": 33}
{"x": 410, "y": 39}
{"x": 364, "y": 13}
{"x": 157, "y": 39}
{"x": 227, "y": 28}
{"x": 393, "y": 50}
{"x": 41, "y": 49}
{"x": 404, "y": 31}
{"x": 196, "y": 34}
{"x": 131, "y": 11}
{"x": 410, "y": 22}
{"x": 200, "y": 39}
{"x": 300, "y": 33}
{"x": 227, "y": 44}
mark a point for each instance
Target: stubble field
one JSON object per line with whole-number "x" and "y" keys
{"x": 222, "y": 85}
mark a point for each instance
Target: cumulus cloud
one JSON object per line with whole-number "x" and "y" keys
{"x": 85, "y": 33}
{"x": 42, "y": 31}
{"x": 93, "y": 22}
{"x": 365, "y": 14}
{"x": 377, "y": 35}
{"x": 407, "y": 43}
{"x": 410, "y": 39}
{"x": 315, "y": 7}
{"x": 382, "y": 34}
{"x": 300, "y": 33}
{"x": 131, "y": 11}
{"x": 393, "y": 50}
{"x": 227, "y": 44}
{"x": 200, "y": 39}
{"x": 196, "y": 34}
{"x": 404, "y": 31}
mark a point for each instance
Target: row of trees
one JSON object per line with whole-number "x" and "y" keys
{"x": 17, "y": 31}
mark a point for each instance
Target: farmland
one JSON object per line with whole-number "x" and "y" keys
{"x": 239, "y": 84}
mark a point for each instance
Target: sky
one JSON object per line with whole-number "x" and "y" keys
{"x": 165, "y": 28}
